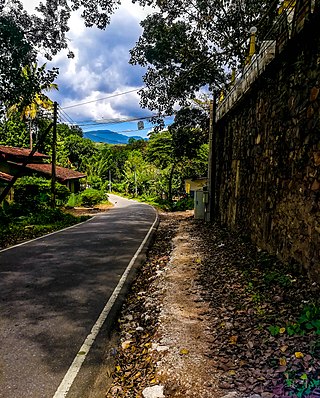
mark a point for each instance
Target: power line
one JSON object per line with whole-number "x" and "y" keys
{"x": 133, "y": 119}
{"x": 183, "y": 74}
{"x": 63, "y": 119}
{"x": 117, "y": 132}
{"x": 102, "y": 99}
{"x": 70, "y": 120}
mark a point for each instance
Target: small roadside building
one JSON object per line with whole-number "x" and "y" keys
{"x": 195, "y": 184}
{"x": 70, "y": 178}
{"x": 197, "y": 189}
{"x": 11, "y": 163}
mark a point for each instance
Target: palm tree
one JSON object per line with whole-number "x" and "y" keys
{"x": 29, "y": 108}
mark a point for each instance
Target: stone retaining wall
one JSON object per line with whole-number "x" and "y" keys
{"x": 268, "y": 156}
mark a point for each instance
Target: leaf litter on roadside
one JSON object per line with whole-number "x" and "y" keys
{"x": 261, "y": 337}
{"x": 256, "y": 305}
{"x": 136, "y": 359}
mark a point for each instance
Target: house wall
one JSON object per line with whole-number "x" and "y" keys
{"x": 268, "y": 156}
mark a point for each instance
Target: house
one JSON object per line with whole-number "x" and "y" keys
{"x": 195, "y": 184}
{"x": 11, "y": 163}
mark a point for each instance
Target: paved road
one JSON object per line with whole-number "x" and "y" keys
{"x": 52, "y": 291}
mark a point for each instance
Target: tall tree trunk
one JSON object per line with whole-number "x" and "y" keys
{"x": 170, "y": 182}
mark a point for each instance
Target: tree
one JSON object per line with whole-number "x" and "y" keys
{"x": 15, "y": 53}
{"x": 80, "y": 151}
{"x": 189, "y": 131}
{"x": 140, "y": 176}
{"x": 161, "y": 152}
{"x": 20, "y": 80}
{"x": 47, "y": 30}
{"x": 13, "y": 132}
{"x": 189, "y": 45}
{"x": 23, "y": 35}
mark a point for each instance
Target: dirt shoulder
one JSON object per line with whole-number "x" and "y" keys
{"x": 211, "y": 316}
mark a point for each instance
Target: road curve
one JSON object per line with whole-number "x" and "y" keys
{"x": 53, "y": 290}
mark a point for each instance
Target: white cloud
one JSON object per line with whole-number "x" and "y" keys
{"x": 100, "y": 67}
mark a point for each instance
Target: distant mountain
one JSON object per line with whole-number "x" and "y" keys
{"x": 108, "y": 136}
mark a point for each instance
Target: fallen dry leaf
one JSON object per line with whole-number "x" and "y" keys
{"x": 298, "y": 354}
{"x": 233, "y": 339}
{"x": 126, "y": 344}
{"x": 282, "y": 361}
{"x": 283, "y": 348}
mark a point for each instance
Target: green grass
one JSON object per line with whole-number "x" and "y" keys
{"x": 15, "y": 230}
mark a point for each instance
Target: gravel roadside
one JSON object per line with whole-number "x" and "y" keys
{"x": 211, "y": 316}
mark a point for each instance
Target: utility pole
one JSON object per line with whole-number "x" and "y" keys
{"x": 28, "y": 160}
{"x": 135, "y": 182}
{"x": 54, "y": 155}
{"x": 110, "y": 181}
{"x": 211, "y": 205}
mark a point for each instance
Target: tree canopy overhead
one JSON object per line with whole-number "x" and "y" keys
{"x": 190, "y": 44}
{"x": 23, "y": 36}
{"x": 185, "y": 45}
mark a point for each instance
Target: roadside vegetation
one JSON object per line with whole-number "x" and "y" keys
{"x": 30, "y": 214}
{"x": 152, "y": 171}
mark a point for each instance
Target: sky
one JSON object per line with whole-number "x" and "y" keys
{"x": 100, "y": 70}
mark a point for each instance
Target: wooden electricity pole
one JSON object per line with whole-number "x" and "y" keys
{"x": 28, "y": 160}
{"x": 54, "y": 155}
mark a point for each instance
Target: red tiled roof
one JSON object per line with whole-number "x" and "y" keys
{"x": 5, "y": 176}
{"x": 62, "y": 173}
{"x": 10, "y": 150}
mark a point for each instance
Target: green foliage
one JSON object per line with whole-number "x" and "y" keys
{"x": 18, "y": 229}
{"x": 139, "y": 176}
{"x": 13, "y": 132}
{"x": 4, "y": 217}
{"x": 308, "y": 322}
{"x": 186, "y": 46}
{"x": 22, "y": 35}
{"x": 34, "y": 193}
{"x": 185, "y": 203}
{"x": 64, "y": 130}
{"x": 74, "y": 200}
{"x": 116, "y": 186}
{"x": 160, "y": 150}
{"x": 94, "y": 182}
{"x": 276, "y": 276}
{"x": 302, "y": 385}
{"x": 15, "y": 52}
{"x": 274, "y": 330}
{"x": 91, "y": 197}
{"x": 80, "y": 151}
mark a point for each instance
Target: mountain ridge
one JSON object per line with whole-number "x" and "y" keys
{"x": 108, "y": 136}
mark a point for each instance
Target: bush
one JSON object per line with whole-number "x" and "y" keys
{"x": 94, "y": 182}
{"x": 4, "y": 218}
{"x": 115, "y": 186}
{"x": 74, "y": 200}
{"x": 183, "y": 204}
{"x": 32, "y": 194}
{"x": 91, "y": 197}
{"x": 47, "y": 216}
{"x": 38, "y": 224}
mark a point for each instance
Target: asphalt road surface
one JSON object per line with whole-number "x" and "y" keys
{"x": 53, "y": 290}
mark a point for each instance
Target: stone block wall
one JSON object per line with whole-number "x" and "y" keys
{"x": 268, "y": 156}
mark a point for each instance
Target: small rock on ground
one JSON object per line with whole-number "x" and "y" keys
{"x": 153, "y": 392}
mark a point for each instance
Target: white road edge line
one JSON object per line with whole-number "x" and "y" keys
{"x": 74, "y": 368}
{"x": 49, "y": 234}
